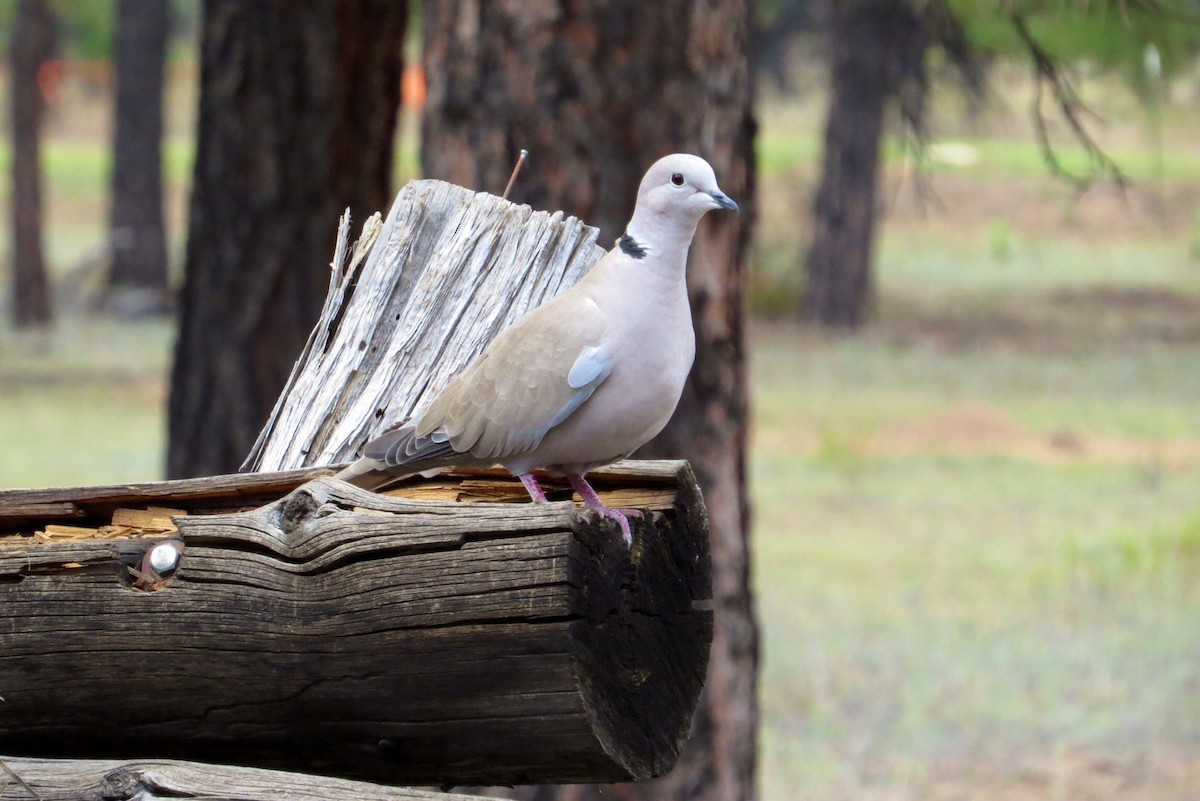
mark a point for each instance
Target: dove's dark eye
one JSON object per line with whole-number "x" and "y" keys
{"x": 677, "y": 179}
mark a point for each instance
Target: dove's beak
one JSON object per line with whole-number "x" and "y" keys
{"x": 723, "y": 200}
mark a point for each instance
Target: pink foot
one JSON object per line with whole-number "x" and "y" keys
{"x": 533, "y": 487}
{"x": 593, "y": 502}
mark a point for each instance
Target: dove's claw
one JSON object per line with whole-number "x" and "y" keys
{"x": 623, "y": 522}
{"x": 593, "y": 502}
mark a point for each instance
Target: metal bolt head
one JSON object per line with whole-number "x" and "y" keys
{"x": 163, "y": 558}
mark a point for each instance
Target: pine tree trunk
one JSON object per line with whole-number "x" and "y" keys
{"x": 870, "y": 42}
{"x": 297, "y": 114}
{"x": 31, "y": 43}
{"x": 597, "y": 91}
{"x": 137, "y": 279}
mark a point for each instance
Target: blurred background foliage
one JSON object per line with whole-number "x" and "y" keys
{"x": 1108, "y": 35}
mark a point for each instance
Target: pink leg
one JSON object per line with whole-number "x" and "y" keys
{"x": 592, "y": 500}
{"x": 533, "y": 487}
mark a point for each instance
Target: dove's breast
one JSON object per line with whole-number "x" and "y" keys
{"x": 652, "y": 346}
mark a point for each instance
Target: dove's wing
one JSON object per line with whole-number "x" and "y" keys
{"x": 530, "y": 378}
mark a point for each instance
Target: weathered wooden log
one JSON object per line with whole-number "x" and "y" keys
{"x": 152, "y": 780}
{"x": 408, "y": 307}
{"x": 352, "y": 634}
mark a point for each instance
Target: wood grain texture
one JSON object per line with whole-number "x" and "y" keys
{"x": 152, "y": 780}
{"x": 346, "y": 633}
{"x": 449, "y": 269}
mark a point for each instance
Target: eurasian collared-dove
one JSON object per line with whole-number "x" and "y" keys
{"x": 584, "y": 379}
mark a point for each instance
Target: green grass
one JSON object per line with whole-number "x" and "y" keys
{"x": 861, "y": 383}
{"x": 913, "y": 259}
{"x": 75, "y": 168}
{"x": 926, "y": 615}
{"x": 76, "y": 179}
{"x": 79, "y": 434}
{"x": 995, "y": 158}
{"x": 84, "y": 403}
{"x": 1003, "y": 140}
{"x": 76, "y": 174}
{"x": 977, "y": 526}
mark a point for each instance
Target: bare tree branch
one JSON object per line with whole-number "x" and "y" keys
{"x": 1050, "y": 74}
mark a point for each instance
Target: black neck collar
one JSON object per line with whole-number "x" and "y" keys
{"x": 631, "y": 247}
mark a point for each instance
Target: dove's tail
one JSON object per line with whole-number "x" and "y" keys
{"x": 366, "y": 473}
{"x": 372, "y": 474}
{"x": 398, "y": 454}
{"x": 401, "y": 447}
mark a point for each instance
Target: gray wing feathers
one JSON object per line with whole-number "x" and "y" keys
{"x": 592, "y": 366}
{"x": 530, "y": 379}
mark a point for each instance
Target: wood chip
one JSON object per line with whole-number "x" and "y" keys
{"x": 488, "y": 490}
{"x": 155, "y": 518}
{"x": 166, "y": 511}
{"x": 637, "y": 498}
{"x": 55, "y": 531}
{"x": 134, "y": 524}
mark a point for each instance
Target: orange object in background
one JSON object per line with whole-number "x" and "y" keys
{"x": 412, "y": 87}
{"x": 52, "y": 74}
{"x": 49, "y": 78}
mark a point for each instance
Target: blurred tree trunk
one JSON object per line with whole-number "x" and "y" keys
{"x": 298, "y": 106}
{"x": 597, "y": 91}
{"x": 32, "y": 43}
{"x": 137, "y": 279}
{"x": 874, "y": 48}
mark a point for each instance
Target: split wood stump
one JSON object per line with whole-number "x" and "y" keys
{"x": 409, "y": 306}
{"x": 448, "y": 632}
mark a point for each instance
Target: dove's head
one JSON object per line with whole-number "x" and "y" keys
{"x": 675, "y": 193}
{"x": 683, "y": 186}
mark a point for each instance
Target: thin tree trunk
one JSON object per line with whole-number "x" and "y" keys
{"x": 298, "y": 106}
{"x": 872, "y": 42}
{"x": 31, "y": 44}
{"x": 137, "y": 279}
{"x": 597, "y": 91}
